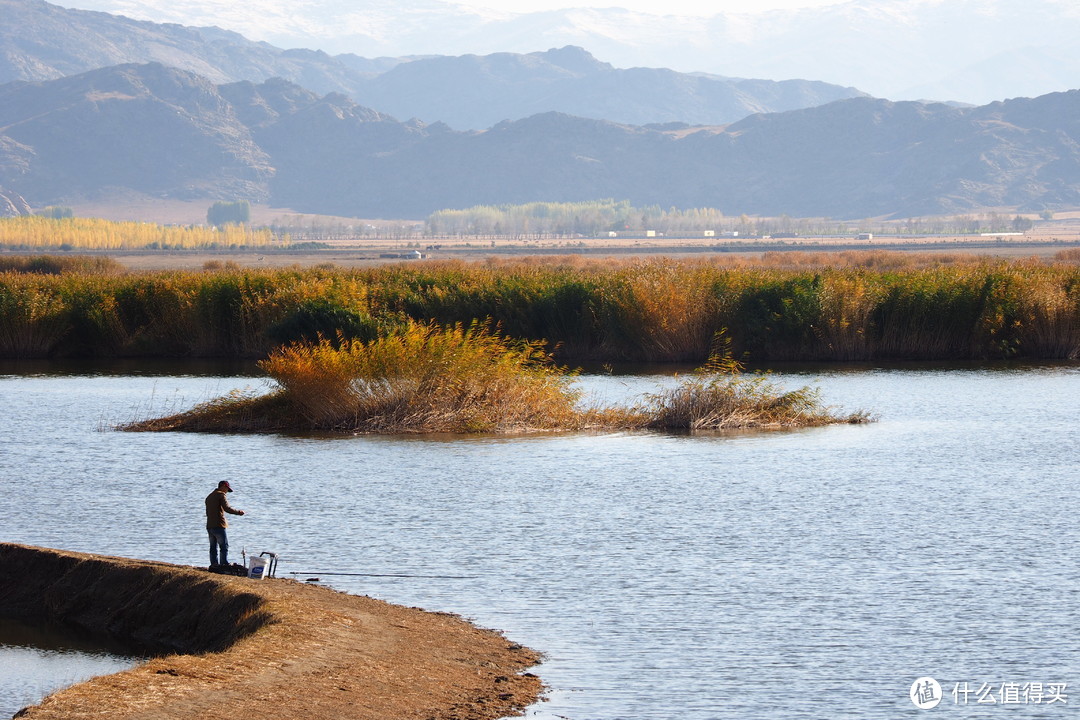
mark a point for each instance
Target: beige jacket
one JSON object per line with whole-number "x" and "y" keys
{"x": 216, "y": 507}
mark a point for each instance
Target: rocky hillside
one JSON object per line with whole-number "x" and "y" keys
{"x": 40, "y": 41}
{"x": 164, "y": 132}
{"x": 12, "y": 204}
{"x": 148, "y": 128}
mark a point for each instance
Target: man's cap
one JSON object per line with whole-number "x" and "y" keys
{"x": 224, "y": 485}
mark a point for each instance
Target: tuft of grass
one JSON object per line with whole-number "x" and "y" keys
{"x": 719, "y": 396}
{"x": 732, "y": 402}
{"x": 237, "y": 412}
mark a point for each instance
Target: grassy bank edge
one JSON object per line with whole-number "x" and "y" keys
{"x": 273, "y": 649}
{"x": 784, "y": 307}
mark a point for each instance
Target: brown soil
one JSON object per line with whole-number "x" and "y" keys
{"x": 268, "y": 649}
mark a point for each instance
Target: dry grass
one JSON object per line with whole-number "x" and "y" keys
{"x": 833, "y": 307}
{"x": 658, "y": 310}
{"x": 31, "y": 232}
{"x": 736, "y": 403}
{"x": 57, "y": 264}
{"x": 719, "y": 396}
{"x": 427, "y": 379}
{"x": 424, "y": 378}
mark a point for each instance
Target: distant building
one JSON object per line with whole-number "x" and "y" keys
{"x": 865, "y": 236}
{"x": 710, "y": 233}
{"x": 612, "y": 234}
{"x": 650, "y": 233}
{"x": 730, "y": 234}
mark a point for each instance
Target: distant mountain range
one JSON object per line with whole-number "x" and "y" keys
{"x": 475, "y": 92}
{"x": 40, "y": 41}
{"x": 161, "y": 131}
{"x": 974, "y": 51}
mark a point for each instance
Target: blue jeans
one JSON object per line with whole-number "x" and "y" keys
{"x": 218, "y": 539}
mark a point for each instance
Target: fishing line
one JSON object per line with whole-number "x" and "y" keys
{"x": 389, "y": 575}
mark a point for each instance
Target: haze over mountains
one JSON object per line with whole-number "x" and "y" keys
{"x": 974, "y": 51}
{"x": 39, "y": 41}
{"x": 183, "y": 126}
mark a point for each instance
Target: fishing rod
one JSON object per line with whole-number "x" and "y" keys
{"x": 388, "y": 575}
{"x": 273, "y": 561}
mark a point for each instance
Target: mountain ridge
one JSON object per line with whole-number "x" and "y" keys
{"x": 972, "y": 51}
{"x": 40, "y": 41}
{"x": 170, "y": 133}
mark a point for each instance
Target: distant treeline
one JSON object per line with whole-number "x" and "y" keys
{"x": 584, "y": 218}
{"x": 599, "y": 217}
{"x": 55, "y": 228}
{"x": 224, "y": 213}
{"x": 42, "y": 233}
{"x": 870, "y": 306}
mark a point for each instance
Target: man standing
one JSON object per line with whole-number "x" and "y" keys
{"x": 216, "y": 507}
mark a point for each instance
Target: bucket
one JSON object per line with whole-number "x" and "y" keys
{"x": 256, "y": 567}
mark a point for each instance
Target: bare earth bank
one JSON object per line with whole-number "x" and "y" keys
{"x": 230, "y": 647}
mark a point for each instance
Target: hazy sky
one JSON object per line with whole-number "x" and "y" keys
{"x": 702, "y": 8}
{"x": 973, "y": 51}
{"x": 670, "y": 7}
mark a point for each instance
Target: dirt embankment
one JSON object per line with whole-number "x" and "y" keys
{"x": 229, "y": 647}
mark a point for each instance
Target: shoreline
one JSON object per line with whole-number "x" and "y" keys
{"x": 229, "y": 647}
{"x": 352, "y": 254}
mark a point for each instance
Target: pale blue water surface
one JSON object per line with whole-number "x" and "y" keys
{"x": 803, "y": 574}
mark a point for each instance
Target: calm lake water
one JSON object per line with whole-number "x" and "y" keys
{"x": 36, "y": 661}
{"x": 805, "y": 574}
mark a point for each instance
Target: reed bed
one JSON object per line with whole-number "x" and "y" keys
{"x": 429, "y": 379}
{"x": 861, "y": 307}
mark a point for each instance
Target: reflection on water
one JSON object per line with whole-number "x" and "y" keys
{"x": 802, "y": 574}
{"x": 36, "y": 661}
{"x": 146, "y": 367}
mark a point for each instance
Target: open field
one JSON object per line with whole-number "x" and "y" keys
{"x": 354, "y": 242}
{"x": 354, "y": 254}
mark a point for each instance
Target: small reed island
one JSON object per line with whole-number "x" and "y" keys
{"x": 422, "y": 378}
{"x": 228, "y": 647}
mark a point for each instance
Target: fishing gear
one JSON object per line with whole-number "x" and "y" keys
{"x": 388, "y": 575}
